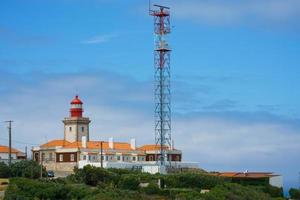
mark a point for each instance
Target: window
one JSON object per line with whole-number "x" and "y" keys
{"x": 118, "y": 158}
{"x": 133, "y": 158}
{"x": 82, "y": 129}
{"x": 84, "y": 157}
{"x": 61, "y": 157}
{"x": 142, "y": 158}
{"x": 150, "y": 158}
{"x": 43, "y": 156}
{"x": 50, "y": 156}
{"x": 70, "y": 128}
{"x": 36, "y": 156}
{"x": 106, "y": 157}
{"x": 72, "y": 157}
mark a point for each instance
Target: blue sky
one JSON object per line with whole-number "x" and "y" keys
{"x": 234, "y": 76}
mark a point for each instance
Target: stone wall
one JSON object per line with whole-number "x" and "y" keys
{"x": 66, "y": 167}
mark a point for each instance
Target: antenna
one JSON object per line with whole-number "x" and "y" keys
{"x": 160, "y": 6}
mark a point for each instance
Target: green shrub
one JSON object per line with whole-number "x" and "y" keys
{"x": 27, "y": 169}
{"x": 294, "y": 193}
{"x": 129, "y": 182}
{"x": 4, "y": 170}
{"x": 234, "y": 191}
{"x": 184, "y": 193}
{"x": 93, "y": 175}
{"x": 22, "y": 188}
{"x": 192, "y": 180}
{"x": 115, "y": 194}
{"x": 152, "y": 188}
{"x": 273, "y": 191}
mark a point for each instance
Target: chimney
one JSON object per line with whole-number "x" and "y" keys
{"x": 133, "y": 143}
{"x": 111, "y": 143}
{"x": 83, "y": 141}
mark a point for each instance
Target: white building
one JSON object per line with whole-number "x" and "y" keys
{"x": 77, "y": 150}
{"x": 15, "y": 154}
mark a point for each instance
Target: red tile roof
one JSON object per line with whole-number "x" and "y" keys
{"x": 5, "y": 149}
{"x": 245, "y": 174}
{"x": 151, "y": 147}
{"x": 90, "y": 145}
{"x": 55, "y": 143}
{"x": 105, "y": 145}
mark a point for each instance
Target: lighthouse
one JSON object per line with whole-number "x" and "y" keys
{"x": 76, "y": 126}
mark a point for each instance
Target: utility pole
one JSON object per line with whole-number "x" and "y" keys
{"x": 299, "y": 181}
{"x": 9, "y": 136}
{"x": 25, "y": 152}
{"x": 101, "y": 153}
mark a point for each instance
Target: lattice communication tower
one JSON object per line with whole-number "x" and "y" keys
{"x": 162, "y": 76}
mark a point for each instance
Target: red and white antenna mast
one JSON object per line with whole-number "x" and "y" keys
{"x": 162, "y": 91}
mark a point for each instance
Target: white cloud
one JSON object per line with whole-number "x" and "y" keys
{"x": 232, "y": 12}
{"x": 99, "y": 39}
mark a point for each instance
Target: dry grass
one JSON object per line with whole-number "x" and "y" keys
{"x": 3, "y": 184}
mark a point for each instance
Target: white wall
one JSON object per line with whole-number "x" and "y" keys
{"x": 6, "y": 156}
{"x": 70, "y": 135}
{"x": 276, "y": 181}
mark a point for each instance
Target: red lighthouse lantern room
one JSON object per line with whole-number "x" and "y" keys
{"x": 76, "y": 107}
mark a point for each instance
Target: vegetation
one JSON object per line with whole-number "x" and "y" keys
{"x": 24, "y": 168}
{"x": 294, "y": 193}
{"x": 192, "y": 180}
{"x": 4, "y": 170}
{"x": 92, "y": 183}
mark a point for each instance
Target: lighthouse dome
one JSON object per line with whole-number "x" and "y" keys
{"x": 76, "y": 100}
{"x": 76, "y": 107}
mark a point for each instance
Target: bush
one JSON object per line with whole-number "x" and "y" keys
{"x": 294, "y": 193}
{"x": 152, "y": 188}
{"x": 115, "y": 194}
{"x": 192, "y": 180}
{"x": 183, "y": 193}
{"x": 22, "y": 188}
{"x": 234, "y": 191}
{"x": 91, "y": 175}
{"x": 129, "y": 182}
{"x": 4, "y": 170}
{"x": 273, "y": 191}
{"x": 27, "y": 169}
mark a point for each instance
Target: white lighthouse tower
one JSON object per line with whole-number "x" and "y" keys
{"x": 76, "y": 126}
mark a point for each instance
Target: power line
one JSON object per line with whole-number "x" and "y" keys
{"x": 18, "y": 142}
